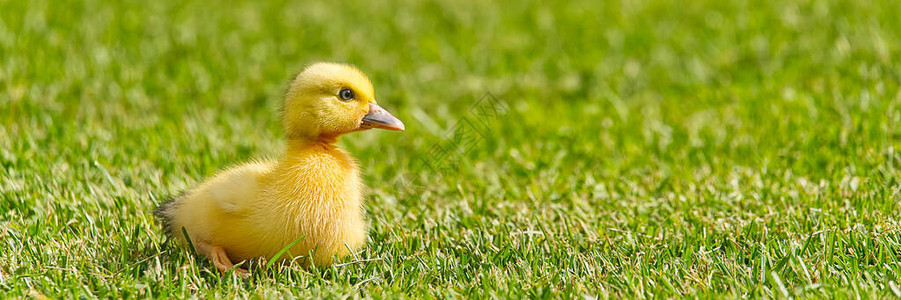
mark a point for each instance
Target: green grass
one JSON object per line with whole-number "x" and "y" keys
{"x": 648, "y": 148}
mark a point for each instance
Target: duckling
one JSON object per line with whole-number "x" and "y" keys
{"x": 311, "y": 196}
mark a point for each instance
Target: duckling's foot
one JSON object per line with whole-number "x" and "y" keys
{"x": 220, "y": 259}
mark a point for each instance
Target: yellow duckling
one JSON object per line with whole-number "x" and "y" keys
{"x": 312, "y": 194}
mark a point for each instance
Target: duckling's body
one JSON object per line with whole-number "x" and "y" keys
{"x": 312, "y": 194}
{"x": 257, "y": 209}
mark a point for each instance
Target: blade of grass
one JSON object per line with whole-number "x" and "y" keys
{"x": 282, "y": 252}
{"x": 188, "y": 239}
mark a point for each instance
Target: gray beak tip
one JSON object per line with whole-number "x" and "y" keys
{"x": 380, "y": 118}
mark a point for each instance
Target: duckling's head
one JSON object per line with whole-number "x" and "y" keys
{"x": 327, "y": 100}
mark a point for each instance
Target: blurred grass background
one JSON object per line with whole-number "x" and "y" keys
{"x": 651, "y": 148}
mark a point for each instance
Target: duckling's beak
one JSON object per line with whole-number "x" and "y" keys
{"x": 380, "y": 118}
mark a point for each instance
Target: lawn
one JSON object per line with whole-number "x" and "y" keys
{"x": 582, "y": 149}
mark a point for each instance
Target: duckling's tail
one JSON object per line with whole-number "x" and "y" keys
{"x": 165, "y": 212}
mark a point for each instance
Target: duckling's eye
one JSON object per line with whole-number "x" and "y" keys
{"x": 346, "y": 94}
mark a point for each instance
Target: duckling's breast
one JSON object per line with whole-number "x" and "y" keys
{"x": 314, "y": 197}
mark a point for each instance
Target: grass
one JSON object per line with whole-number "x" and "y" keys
{"x": 646, "y": 148}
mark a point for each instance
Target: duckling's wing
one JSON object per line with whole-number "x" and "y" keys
{"x": 238, "y": 187}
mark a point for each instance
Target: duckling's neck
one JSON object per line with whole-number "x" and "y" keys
{"x": 299, "y": 146}
{"x": 315, "y": 170}
{"x": 324, "y": 153}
